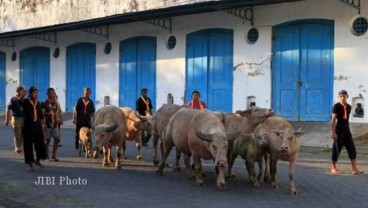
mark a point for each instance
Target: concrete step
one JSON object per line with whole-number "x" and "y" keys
{"x": 318, "y": 134}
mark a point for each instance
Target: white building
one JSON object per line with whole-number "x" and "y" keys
{"x": 290, "y": 55}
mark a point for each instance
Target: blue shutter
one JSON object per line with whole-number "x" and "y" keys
{"x": 220, "y": 71}
{"x": 80, "y": 72}
{"x": 197, "y": 66}
{"x": 302, "y": 70}
{"x": 137, "y": 70}
{"x": 2, "y": 81}
{"x": 285, "y": 74}
{"x": 316, "y": 72}
{"x": 35, "y": 69}
{"x": 209, "y": 64}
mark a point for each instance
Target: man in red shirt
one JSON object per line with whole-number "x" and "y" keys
{"x": 196, "y": 103}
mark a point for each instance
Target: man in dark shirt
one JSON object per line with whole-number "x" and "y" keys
{"x": 341, "y": 134}
{"x": 33, "y": 130}
{"x": 144, "y": 108}
{"x": 83, "y": 112}
{"x": 15, "y": 109}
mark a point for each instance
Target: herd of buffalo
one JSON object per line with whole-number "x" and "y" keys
{"x": 254, "y": 134}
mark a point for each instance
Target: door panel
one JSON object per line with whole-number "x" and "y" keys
{"x": 302, "y": 70}
{"x": 35, "y": 69}
{"x": 286, "y": 76}
{"x": 128, "y": 73}
{"x": 2, "y": 81}
{"x": 197, "y": 67}
{"x": 209, "y": 67}
{"x": 137, "y": 70}
{"x": 80, "y": 72}
{"x": 220, "y": 72}
{"x": 316, "y": 72}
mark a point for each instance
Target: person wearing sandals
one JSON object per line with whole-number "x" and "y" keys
{"x": 33, "y": 130}
{"x": 341, "y": 134}
{"x": 50, "y": 107}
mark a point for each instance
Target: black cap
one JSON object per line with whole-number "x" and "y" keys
{"x": 196, "y": 91}
{"x": 144, "y": 90}
{"x": 343, "y": 92}
{"x": 87, "y": 89}
{"x": 32, "y": 89}
{"x": 19, "y": 88}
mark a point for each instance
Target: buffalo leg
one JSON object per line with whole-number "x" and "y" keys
{"x": 138, "y": 145}
{"x": 252, "y": 173}
{"x": 273, "y": 172}
{"x": 117, "y": 157}
{"x": 178, "y": 156}
{"x": 292, "y": 189}
{"x": 267, "y": 176}
{"x": 155, "y": 144}
{"x": 260, "y": 169}
{"x": 190, "y": 173}
{"x": 168, "y": 146}
{"x": 198, "y": 170}
{"x": 124, "y": 150}
{"x": 106, "y": 156}
{"x": 231, "y": 159}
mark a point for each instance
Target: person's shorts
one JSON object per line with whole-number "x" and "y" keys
{"x": 51, "y": 133}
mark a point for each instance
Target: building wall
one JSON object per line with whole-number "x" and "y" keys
{"x": 252, "y": 62}
{"x": 24, "y": 14}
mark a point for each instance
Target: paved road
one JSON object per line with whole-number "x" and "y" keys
{"x": 138, "y": 186}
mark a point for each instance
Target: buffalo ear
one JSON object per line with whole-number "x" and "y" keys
{"x": 232, "y": 135}
{"x": 244, "y": 113}
{"x": 204, "y": 136}
{"x": 299, "y": 132}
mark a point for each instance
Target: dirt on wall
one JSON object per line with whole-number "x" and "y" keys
{"x": 26, "y": 14}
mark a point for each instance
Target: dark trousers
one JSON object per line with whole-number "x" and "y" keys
{"x": 77, "y": 129}
{"x": 343, "y": 139}
{"x": 36, "y": 140}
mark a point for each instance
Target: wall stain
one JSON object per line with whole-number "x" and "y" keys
{"x": 255, "y": 73}
{"x": 133, "y": 5}
{"x": 361, "y": 88}
{"x": 255, "y": 68}
{"x": 341, "y": 78}
{"x": 14, "y": 81}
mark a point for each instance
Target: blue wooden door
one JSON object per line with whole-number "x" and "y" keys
{"x": 302, "y": 71}
{"x": 137, "y": 70}
{"x": 2, "y": 81}
{"x": 209, "y": 65}
{"x": 35, "y": 69}
{"x": 80, "y": 72}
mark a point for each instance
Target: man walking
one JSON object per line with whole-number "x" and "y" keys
{"x": 33, "y": 130}
{"x": 50, "y": 107}
{"x": 83, "y": 112}
{"x": 341, "y": 134}
{"x": 144, "y": 108}
{"x": 15, "y": 112}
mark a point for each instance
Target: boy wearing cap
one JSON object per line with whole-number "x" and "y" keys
{"x": 341, "y": 134}
{"x": 83, "y": 112}
{"x": 15, "y": 109}
{"x": 33, "y": 130}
